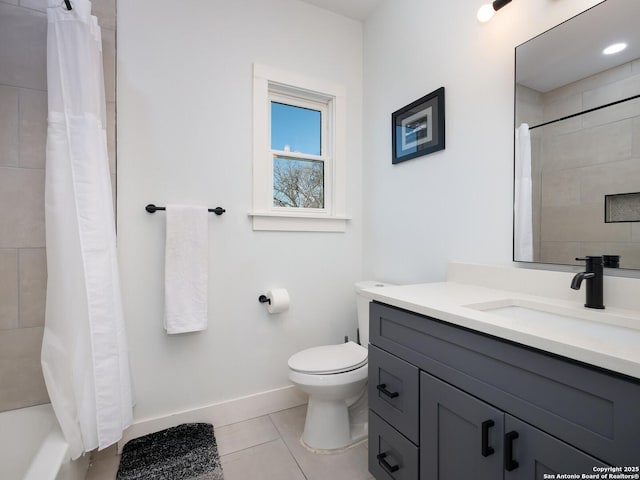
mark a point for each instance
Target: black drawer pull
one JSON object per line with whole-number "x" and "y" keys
{"x": 509, "y": 463}
{"x": 486, "y": 450}
{"x": 389, "y": 468}
{"x": 383, "y": 388}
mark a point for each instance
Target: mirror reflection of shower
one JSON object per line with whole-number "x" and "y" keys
{"x": 582, "y": 107}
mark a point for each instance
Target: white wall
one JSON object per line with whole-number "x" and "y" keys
{"x": 184, "y": 136}
{"x": 456, "y": 204}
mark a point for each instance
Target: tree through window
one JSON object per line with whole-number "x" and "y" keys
{"x": 298, "y": 183}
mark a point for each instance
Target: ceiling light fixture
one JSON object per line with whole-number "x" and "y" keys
{"x": 485, "y": 12}
{"x": 615, "y": 48}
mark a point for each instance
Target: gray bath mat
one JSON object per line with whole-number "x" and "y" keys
{"x": 185, "y": 452}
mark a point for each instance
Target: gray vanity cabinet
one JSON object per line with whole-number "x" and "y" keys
{"x": 538, "y": 453}
{"x": 448, "y": 403}
{"x": 463, "y": 437}
{"x": 460, "y": 435}
{"x": 394, "y": 391}
{"x": 391, "y": 455}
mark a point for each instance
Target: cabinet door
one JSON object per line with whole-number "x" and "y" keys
{"x": 460, "y": 436}
{"x": 534, "y": 453}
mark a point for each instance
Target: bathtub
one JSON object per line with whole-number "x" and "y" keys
{"x": 32, "y": 447}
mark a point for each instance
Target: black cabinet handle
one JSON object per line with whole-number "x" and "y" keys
{"x": 486, "y": 450}
{"x": 383, "y": 388}
{"x": 509, "y": 463}
{"x": 389, "y": 468}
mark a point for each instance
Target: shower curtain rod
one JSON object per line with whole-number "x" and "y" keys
{"x": 586, "y": 111}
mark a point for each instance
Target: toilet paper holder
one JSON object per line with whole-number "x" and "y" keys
{"x": 277, "y": 300}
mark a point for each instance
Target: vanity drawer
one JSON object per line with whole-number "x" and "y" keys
{"x": 394, "y": 391}
{"x": 592, "y": 409}
{"x": 390, "y": 454}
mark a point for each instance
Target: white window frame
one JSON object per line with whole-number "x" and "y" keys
{"x": 274, "y": 84}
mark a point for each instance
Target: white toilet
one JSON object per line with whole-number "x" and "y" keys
{"x": 335, "y": 378}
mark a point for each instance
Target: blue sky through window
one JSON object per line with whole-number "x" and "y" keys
{"x": 297, "y": 127}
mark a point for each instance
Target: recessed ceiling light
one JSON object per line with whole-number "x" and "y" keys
{"x": 615, "y": 48}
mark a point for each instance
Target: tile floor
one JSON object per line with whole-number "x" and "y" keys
{"x": 267, "y": 448}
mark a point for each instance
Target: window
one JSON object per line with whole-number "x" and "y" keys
{"x": 298, "y": 130}
{"x": 299, "y": 149}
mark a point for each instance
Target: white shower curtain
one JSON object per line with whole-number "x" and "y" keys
{"x": 84, "y": 351}
{"x": 523, "y": 207}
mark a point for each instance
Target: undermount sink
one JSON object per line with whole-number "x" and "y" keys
{"x": 534, "y": 317}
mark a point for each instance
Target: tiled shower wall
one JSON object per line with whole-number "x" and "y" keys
{"x": 586, "y": 158}
{"x": 576, "y": 162}
{"x": 23, "y": 125}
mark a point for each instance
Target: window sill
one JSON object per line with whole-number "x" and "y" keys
{"x": 296, "y": 222}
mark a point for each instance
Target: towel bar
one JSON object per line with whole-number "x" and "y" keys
{"x": 151, "y": 208}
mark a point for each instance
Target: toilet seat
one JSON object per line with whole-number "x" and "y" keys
{"x": 329, "y": 359}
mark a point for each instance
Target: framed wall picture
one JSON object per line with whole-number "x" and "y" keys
{"x": 418, "y": 128}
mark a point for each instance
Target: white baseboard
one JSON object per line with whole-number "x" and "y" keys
{"x": 224, "y": 413}
{"x": 76, "y": 469}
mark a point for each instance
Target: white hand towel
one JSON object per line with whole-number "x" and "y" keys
{"x": 186, "y": 270}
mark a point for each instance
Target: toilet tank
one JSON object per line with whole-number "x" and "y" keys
{"x": 363, "y": 307}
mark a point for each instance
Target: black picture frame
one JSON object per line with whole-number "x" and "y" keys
{"x": 417, "y": 129}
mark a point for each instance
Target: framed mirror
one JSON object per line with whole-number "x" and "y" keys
{"x": 577, "y": 140}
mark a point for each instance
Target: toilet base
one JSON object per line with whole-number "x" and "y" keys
{"x": 331, "y": 424}
{"x": 327, "y": 426}
{"x": 319, "y": 451}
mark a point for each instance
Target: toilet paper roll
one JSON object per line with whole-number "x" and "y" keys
{"x": 279, "y": 300}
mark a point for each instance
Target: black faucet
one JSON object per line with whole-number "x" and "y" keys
{"x": 594, "y": 277}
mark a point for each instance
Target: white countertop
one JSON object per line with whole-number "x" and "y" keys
{"x": 607, "y": 338}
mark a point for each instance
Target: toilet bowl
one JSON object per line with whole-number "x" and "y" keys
{"x": 335, "y": 378}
